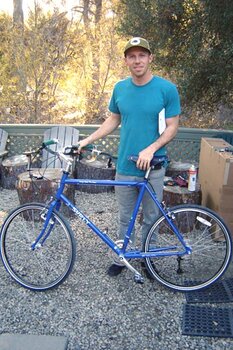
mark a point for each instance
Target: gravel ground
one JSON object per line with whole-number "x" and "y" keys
{"x": 93, "y": 310}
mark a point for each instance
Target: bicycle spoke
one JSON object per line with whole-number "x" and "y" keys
{"x": 45, "y": 266}
{"x": 209, "y": 240}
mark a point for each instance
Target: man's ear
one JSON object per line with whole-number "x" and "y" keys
{"x": 151, "y": 58}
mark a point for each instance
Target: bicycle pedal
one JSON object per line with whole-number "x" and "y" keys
{"x": 138, "y": 279}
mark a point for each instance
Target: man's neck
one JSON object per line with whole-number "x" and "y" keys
{"x": 143, "y": 80}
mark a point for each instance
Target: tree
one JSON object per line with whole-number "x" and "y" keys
{"x": 192, "y": 42}
{"x": 60, "y": 65}
{"x": 36, "y": 64}
{"x": 7, "y": 90}
{"x": 18, "y": 18}
{"x": 18, "y": 35}
{"x": 47, "y": 52}
{"x": 99, "y": 54}
{"x": 92, "y": 13}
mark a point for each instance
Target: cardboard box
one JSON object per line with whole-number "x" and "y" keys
{"x": 228, "y": 219}
{"x": 226, "y": 199}
{"x": 216, "y": 178}
{"x": 215, "y": 163}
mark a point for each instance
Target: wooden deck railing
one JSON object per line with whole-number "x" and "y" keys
{"x": 185, "y": 146}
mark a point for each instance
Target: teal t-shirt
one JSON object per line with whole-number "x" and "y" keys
{"x": 139, "y": 107}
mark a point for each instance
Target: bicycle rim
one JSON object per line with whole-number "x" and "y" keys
{"x": 210, "y": 241}
{"x": 49, "y": 264}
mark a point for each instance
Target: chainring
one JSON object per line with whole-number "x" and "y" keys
{"x": 114, "y": 257}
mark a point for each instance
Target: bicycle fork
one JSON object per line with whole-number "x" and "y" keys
{"x": 49, "y": 221}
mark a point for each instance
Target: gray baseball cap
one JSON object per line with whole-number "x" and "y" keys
{"x": 137, "y": 42}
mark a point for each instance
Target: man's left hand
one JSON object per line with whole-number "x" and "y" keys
{"x": 144, "y": 159}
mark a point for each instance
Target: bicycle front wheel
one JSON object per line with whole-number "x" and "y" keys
{"x": 207, "y": 235}
{"x": 50, "y": 263}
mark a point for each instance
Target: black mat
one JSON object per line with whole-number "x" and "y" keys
{"x": 219, "y": 292}
{"x": 207, "y": 321}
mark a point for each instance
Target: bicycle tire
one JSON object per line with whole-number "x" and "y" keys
{"x": 48, "y": 265}
{"x": 210, "y": 241}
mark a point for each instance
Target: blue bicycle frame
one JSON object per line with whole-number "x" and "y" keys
{"x": 142, "y": 186}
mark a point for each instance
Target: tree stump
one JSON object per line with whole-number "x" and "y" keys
{"x": 95, "y": 170}
{"x": 178, "y": 168}
{"x": 41, "y": 190}
{"x": 10, "y": 168}
{"x": 175, "y": 195}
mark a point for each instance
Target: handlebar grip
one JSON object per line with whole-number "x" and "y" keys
{"x": 49, "y": 142}
{"x": 88, "y": 148}
{"x": 85, "y": 148}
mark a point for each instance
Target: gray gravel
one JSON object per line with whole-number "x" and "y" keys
{"x": 93, "y": 310}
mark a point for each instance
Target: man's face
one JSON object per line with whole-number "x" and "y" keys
{"x": 138, "y": 60}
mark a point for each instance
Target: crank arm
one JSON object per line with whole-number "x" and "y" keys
{"x": 137, "y": 276}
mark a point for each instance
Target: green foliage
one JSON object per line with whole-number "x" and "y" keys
{"x": 211, "y": 69}
{"x": 55, "y": 66}
{"x": 191, "y": 40}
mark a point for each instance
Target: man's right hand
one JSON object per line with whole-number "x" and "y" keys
{"x": 83, "y": 143}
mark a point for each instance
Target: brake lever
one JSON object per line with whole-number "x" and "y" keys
{"x": 67, "y": 150}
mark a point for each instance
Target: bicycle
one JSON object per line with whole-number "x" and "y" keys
{"x": 188, "y": 247}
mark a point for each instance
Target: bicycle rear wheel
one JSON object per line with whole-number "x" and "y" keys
{"x": 49, "y": 264}
{"x": 207, "y": 235}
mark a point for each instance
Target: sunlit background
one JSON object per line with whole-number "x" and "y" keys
{"x": 7, "y": 5}
{"x": 68, "y": 54}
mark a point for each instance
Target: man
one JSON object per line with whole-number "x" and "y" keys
{"x": 136, "y": 103}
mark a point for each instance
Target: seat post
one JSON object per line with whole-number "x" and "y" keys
{"x": 147, "y": 174}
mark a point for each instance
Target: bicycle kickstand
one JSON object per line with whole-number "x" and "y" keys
{"x": 137, "y": 276}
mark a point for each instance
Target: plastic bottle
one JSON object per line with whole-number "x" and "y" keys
{"x": 192, "y": 178}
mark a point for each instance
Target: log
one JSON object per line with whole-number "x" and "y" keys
{"x": 177, "y": 168}
{"x": 175, "y": 195}
{"x": 95, "y": 170}
{"x": 10, "y": 168}
{"x": 41, "y": 190}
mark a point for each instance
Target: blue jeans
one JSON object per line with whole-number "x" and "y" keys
{"x": 126, "y": 197}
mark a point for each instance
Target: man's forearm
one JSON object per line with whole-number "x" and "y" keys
{"x": 105, "y": 129}
{"x": 168, "y": 134}
{"x": 165, "y": 138}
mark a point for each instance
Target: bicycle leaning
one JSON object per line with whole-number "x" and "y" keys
{"x": 188, "y": 247}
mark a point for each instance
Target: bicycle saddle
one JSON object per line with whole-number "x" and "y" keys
{"x": 156, "y": 160}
